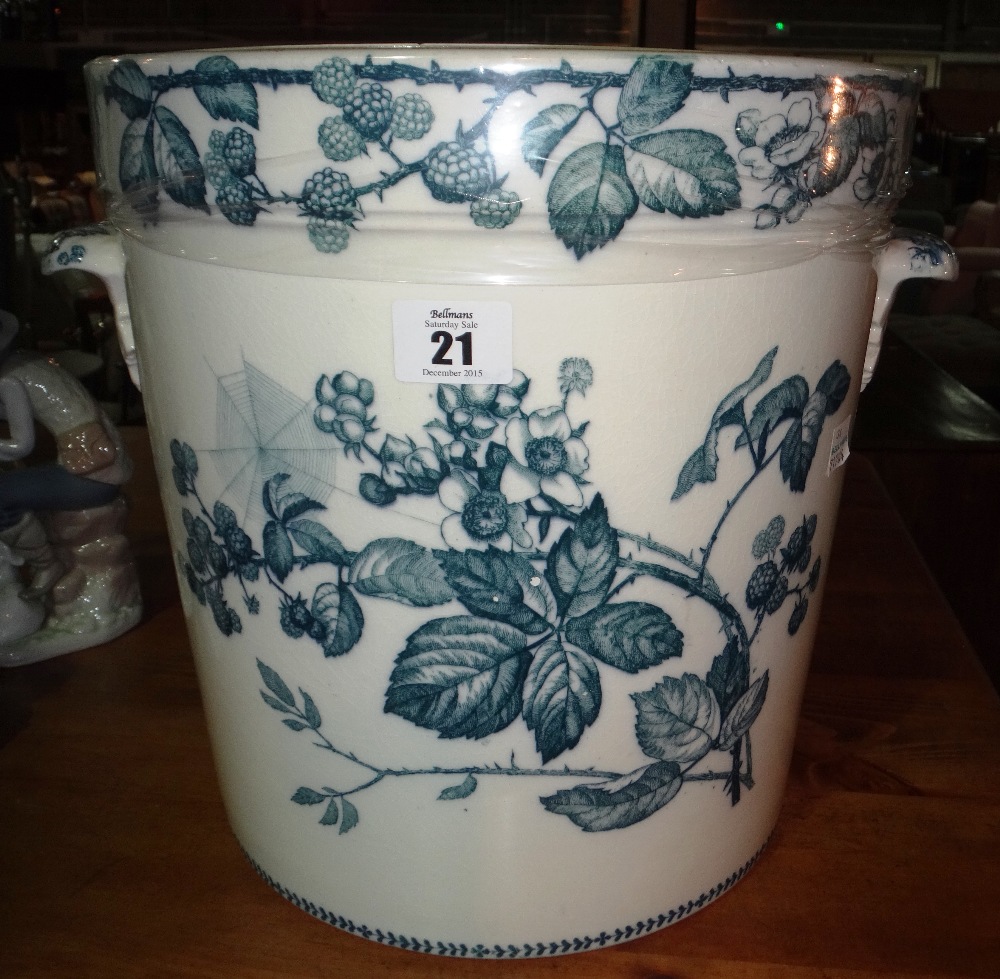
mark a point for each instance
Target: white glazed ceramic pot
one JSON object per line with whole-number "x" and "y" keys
{"x": 499, "y": 399}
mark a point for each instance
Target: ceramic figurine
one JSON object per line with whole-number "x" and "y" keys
{"x": 20, "y": 614}
{"x": 67, "y": 577}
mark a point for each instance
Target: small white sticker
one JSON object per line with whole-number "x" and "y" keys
{"x": 453, "y": 342}
{"x": 840, "y": 448}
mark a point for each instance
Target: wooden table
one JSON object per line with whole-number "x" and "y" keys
{"x": 116, "y": 860}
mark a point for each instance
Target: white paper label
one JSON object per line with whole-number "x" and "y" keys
{"x": 839, "y": 448}
{"x": 453, "y": 342}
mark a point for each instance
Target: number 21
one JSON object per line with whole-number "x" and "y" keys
{"x": 445, "y": 340}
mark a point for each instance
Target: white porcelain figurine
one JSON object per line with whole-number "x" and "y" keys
{"x": 67, "y": 577}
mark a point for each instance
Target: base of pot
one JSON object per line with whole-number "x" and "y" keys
{"x": 532, "y": 950}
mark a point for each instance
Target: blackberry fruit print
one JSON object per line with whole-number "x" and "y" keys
{"x": 602, "y": 145}
{"x": 526, "y": 611}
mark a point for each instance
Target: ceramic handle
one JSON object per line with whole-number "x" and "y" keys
{"x": 907, "y": 255}
{"x": 96, "y": 248}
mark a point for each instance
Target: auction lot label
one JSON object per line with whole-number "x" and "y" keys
{"x": 453, "y": 342}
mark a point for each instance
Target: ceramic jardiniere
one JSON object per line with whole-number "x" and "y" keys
{"x": 499, "y": 399}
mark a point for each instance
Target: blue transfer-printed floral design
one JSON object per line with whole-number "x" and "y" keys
{"x": 824, "y": 134}
{"x": 815, "y": 146}
{"x": 527, "y": 596}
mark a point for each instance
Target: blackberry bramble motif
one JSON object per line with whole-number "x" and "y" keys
{"x": 798, "y": 615}
{"x": 769, "y": 585}
{"x": 217, "y": 171}
{"x": 412, "y": 117}
{"x": 776, "y": 598}
{"x": 339, "y": 140}
{"x": 217, "y": 142}
{"x": 342, "y": 406}
{"x": 329, "y": 194}
{"x": 496, "y": 210}
{"x": 329, "y": 235}
{"x": 235, "y": 200}
{"x": 797, "y": 554}
{"x": 769, "y": 538}
{"x": 333, "y": 81}
{"x": 369, "y": 109}
{"x": 603, "y": 143}
{"x": 455, "y": 173}
{"x": 528, "y": 616}
{"x": 762, "y": 583}
{"x": 240, "y": 152}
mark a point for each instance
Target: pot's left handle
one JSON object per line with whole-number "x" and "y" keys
{"x": 97, "y": 248}
{"x": 907, "y": 255}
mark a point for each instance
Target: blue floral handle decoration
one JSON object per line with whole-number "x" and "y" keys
{"x": 824, "y": 134}
{"x": 542, "y": 576}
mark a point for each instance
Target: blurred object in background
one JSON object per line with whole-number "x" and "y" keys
{"x": 62, "y": 521}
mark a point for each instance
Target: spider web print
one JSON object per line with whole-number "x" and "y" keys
{"x": 263, "y": 429}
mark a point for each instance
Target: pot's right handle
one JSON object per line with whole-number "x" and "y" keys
{"x": 907, "y": 255}
{"x": 96, "y": 248}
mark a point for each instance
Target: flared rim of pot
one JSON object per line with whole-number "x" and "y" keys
{"x": 500, "y": 163}
{"x": 821, "y": 64}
